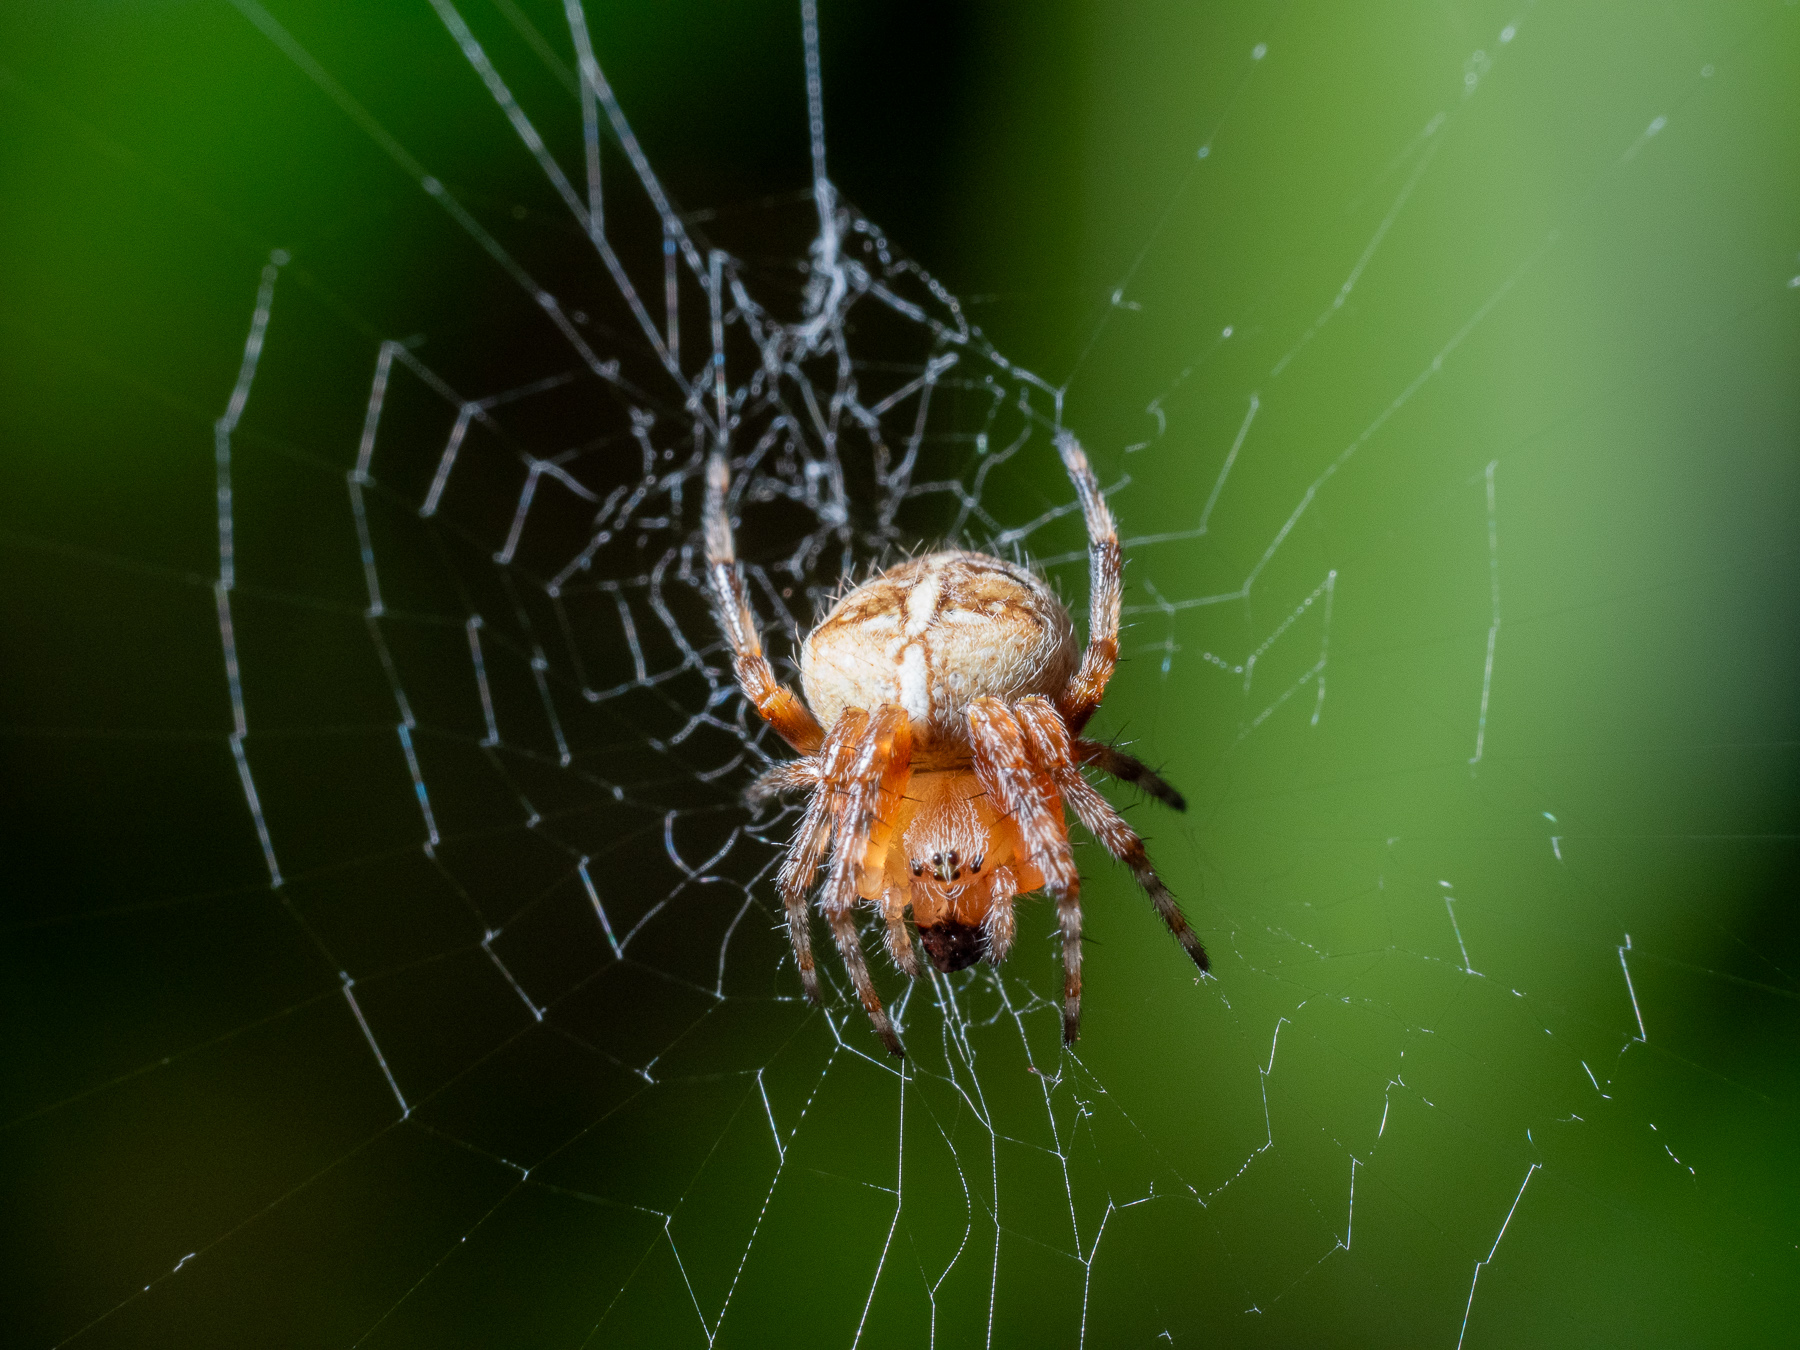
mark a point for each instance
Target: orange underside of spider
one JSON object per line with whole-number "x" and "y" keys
{"x": 941, "y": 745}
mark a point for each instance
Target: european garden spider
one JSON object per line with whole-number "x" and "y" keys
{"x": 955, "y": 704}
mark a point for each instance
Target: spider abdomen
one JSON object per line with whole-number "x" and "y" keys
{"x": 934, "y": 634}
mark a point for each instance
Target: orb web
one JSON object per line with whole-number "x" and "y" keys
{"x": 491, "y": 756}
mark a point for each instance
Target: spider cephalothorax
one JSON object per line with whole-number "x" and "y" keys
{"x": 941, "y": 740}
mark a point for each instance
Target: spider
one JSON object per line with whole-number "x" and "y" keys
{"x": 941, "y": 739}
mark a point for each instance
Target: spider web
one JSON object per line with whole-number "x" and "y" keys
{"x": 505, "y": 1044}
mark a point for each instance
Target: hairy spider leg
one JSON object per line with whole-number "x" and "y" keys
{"x": 873, "y": 881}
{"x": 1000, "y": 926}
{"x": 1109, "y": 759}
{"x": 876, "y": 778}
{"x": 1048, "y": 743}
{"x": 790, "y": 776}
{"x": 835, "y": 763}
{"x": 778, "y": 705}
{"x": 1106, "y": 568}
{"x": 897, "y": 939}
{"x": 800, "y": 774}
{"x": 1021, "y": 790}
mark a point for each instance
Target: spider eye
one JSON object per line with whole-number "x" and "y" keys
{"x": 918, "y": 868}
{"x": 975, "y": 866}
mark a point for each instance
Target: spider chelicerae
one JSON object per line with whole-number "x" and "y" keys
{"x": 941, "y": 740}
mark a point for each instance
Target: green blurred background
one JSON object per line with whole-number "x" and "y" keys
{"x": 1552, "y": 250}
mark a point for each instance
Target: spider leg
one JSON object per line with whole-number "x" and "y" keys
{"x": 834, "y": 761}
{"x": 1106, "y": 569}
{"x": 878, "y": 774}
{"x": 1127, "y": 769}
{"x": 792, "y": 776}
{"x": 1021, "y": 789}
{"x": 778, "y": 705}
{"x": 1049, "y": 744}
{"x": 1003, "y": 889}
{"x": 899, "y": 941}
